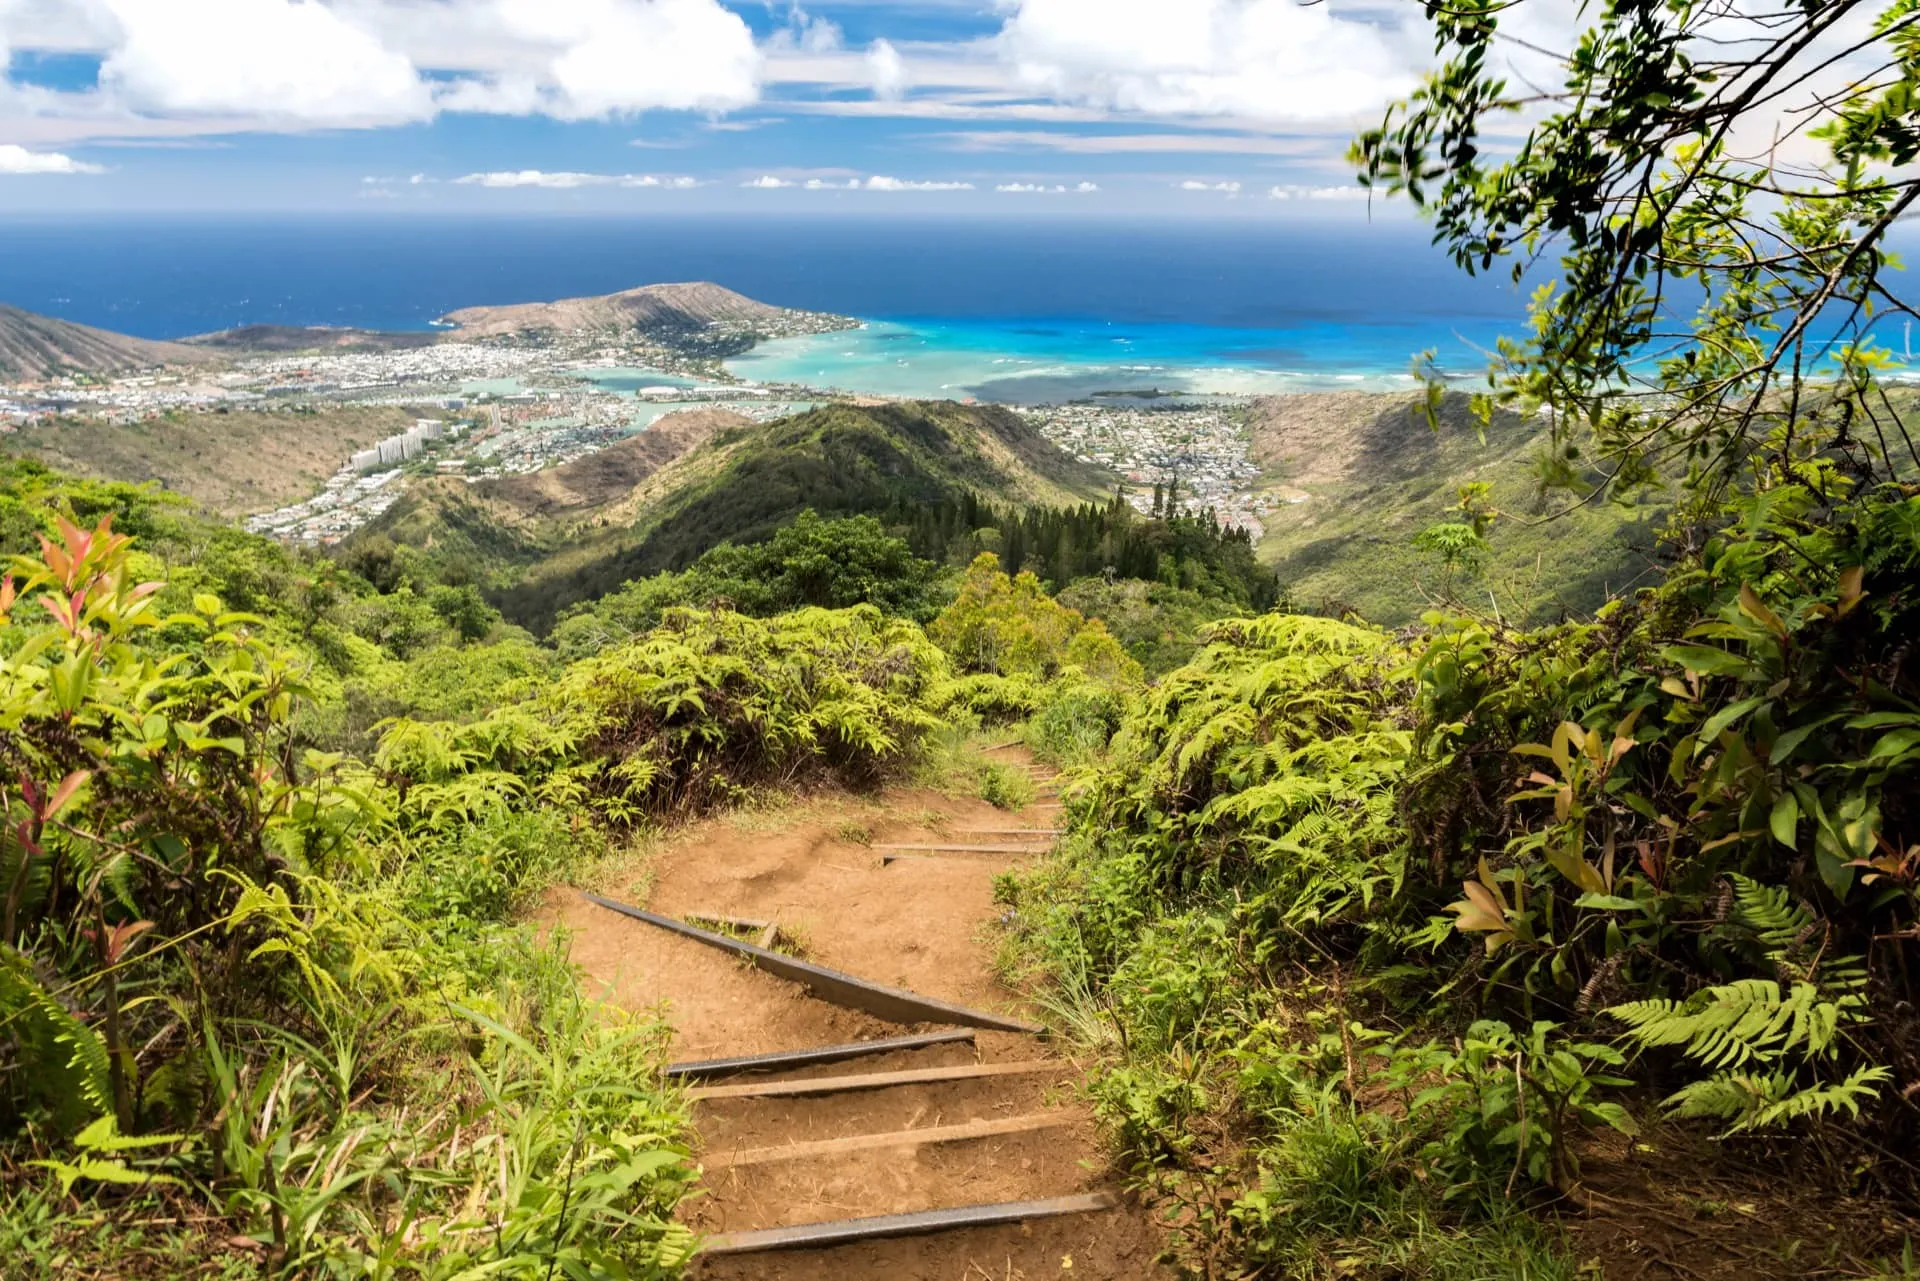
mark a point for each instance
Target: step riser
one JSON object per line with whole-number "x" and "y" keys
{"x": 874, "y": 1081}
{"x": 896, "y": 1140}
{"x": 796, "y": 1060}
{"x": 820, "y": 1235}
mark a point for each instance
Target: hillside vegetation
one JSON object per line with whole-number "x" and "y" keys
{"x": 234, "y": 462}
{"x": 540, "y": 545}
{"x": 1361, "y": 474}
{"x": 34, "y": 347}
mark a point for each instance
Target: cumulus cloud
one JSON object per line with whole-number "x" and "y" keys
{"x": 822, "y": 184}
{"x": 880, "y": 183}
{"x": 888, "y": 69}
{"x": 623, "y": 56}
{"x": 1271, "y": 60}
{"x": 16, "y": 159}
{"x": 564, "y": 180}
{"x": 279, "y": 59}
{"x": 1230, "y": 188}
{"x": 767, "y": 182}
{"x": 1041, "y": 188}
{"x": 360, "y": 63}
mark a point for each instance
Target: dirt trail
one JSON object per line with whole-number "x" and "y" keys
{"x": 943, "y": 1137}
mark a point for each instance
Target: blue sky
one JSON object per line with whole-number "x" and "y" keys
{"x": 1088, "y": 107}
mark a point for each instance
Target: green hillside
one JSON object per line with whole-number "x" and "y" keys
{"x": 1360, "y": 475}
{"x": 738, "y": 486}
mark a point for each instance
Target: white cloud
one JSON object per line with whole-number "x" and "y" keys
{"x": 1318, "y": 193}
{"x": 807, "y": 33}
{"x": 1268, "y": 60}
{"x": 567, "y": 181}
{"x": 1041, "y": 188}
{"x": 280, "y": 64}
{"x": 623, "y": 56}
{"x": 1230, "y": 188}
{"x": 767, "y": 182}
{"x": 283, "y": 60}
{"x": 889, "y": 71}
{"x": 278, "y": 59}
{"x": 16, "y": 159}
{"x": 822, "y": 184}
{"x": 1128, "y": 143}
{"x": 880, "y": 183}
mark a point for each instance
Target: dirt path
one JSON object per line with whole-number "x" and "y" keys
{"x": 949, "y": 1127}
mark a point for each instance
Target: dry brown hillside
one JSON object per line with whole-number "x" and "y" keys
{"x": 611, "y": 474}
{"x": 233, "y": 463}
{"x": 34, "y": 347}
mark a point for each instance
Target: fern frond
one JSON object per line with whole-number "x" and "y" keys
{"x": 1739, "y": 1023}
{"x": 1766, "y": 1100}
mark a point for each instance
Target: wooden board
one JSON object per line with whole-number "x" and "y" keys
{"x": 890, "y": 1003}
{"x": 788, "y": 1060}
{"x": 964, "y": 1132}
{"x": 875, "y": 1080}
{"x": 879, "y": 1227}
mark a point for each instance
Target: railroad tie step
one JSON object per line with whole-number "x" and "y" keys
{"x": 961, "y": 849}
{"x": 876, "y": 1080}
{"x": 789, "y": 1060}
{"x": 961, "y": 1133}
{"x": 879, "y": 1227}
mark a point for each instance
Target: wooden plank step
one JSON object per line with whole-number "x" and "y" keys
{"x": 961, "y": 849}
{"x": 896, "y": 1005}
{"x": 879, "y": 1227}
{"x": 961, "y": 1133}
{"x": 876, "y": 1080}
{"x": 888, "y": 860}
{"x": 786, "y": 1060}
{"x": 1008, "y": 831}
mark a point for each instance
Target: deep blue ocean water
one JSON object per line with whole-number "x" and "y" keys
{"x": 1320, "y": 300}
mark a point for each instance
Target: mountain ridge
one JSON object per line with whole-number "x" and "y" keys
{"x": 34, "y": 347}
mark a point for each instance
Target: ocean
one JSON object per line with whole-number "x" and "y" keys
{"x": 996, "y": 309}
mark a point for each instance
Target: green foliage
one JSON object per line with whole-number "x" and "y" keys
{"x": 1505, "y": 1100}
{"x": 1009, "y": 626}
{"x": 1189, "y": 554}
{"x": 831, "y": 564}
{"x": 1075, "y": 721}
{"x": 1158, "y": 625}
{"x": 688, "y": 716}
{"x": 893, "y": 462}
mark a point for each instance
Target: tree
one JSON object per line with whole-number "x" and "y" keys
{"x": 1717, "y": 183}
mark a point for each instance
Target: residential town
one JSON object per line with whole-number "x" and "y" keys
{"x": 1202, "y": 449}
{"x": 505, "y": 407}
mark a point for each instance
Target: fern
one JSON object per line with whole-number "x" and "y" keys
{"x": 1781, "y": 931}
{"x": 63, "y": 1062}
{"x": 1756, "y": 1101}
{"x": 1757, "y": 1039}
{"x": 1739, "y": 1023}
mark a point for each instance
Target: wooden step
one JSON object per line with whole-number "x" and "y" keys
{"x": 1007, "y": 831}
{"x": 876, "y": 1080}
{"x": 961, "y": 849}
{"x": 893, "y": 1004}
{"x": 964, "y": 1132}
{"x": 789, "y": 1060}
{"x": 843, "y": 1231}
{"x": 888, "y": 860}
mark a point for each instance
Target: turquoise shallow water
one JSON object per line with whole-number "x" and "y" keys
{"x": 1038, "y": 361}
